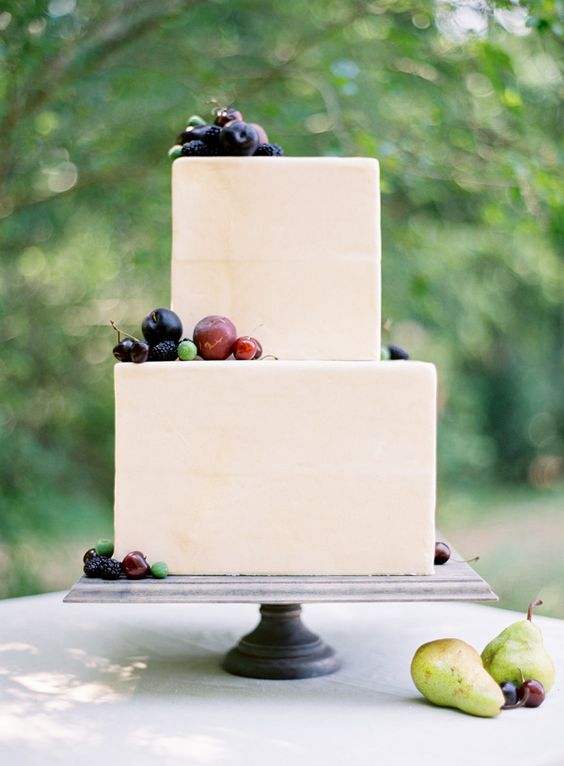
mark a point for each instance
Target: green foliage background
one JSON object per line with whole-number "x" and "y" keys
{"x": 460, "y": 102}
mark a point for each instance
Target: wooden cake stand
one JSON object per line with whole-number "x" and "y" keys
{"x": 281, "y": 647}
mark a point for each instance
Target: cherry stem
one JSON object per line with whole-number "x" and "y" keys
{"x": 121, "y": 332}
{"x": 522, "y": 701}
{"x": 532, "y": 605}
{"x": 466, "y": 561}
{"x": 268, "y": 356}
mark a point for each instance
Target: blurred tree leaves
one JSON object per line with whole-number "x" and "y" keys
{"x": 460, "y": 102}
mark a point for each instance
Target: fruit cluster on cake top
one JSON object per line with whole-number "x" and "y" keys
{"x": 228, "y": 135}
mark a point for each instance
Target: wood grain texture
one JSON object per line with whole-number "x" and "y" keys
{"x": 451, "y": 582}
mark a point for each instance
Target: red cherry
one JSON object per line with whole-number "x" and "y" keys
{"x": 140, "y": 352}
{"x": 214, "y": 336}
{"x": 227, "y": 115}
{"x": 135, "y": 565}
{"x": 245, "y": 347}
{"x": 442, "y": 553}
{"x": 535, "y": 691}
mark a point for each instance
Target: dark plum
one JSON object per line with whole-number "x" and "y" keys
{"x": 239, "y": 139}
{"x": 161, "y": 324}
{"x": 509, "y": 692}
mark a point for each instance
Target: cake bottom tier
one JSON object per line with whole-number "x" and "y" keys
{"x": 277, "y": 467}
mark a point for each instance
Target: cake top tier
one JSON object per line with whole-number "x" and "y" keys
{"x": 287, "y": 247}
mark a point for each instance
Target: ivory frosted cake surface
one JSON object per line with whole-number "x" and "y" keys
{"x": 277, "y": 467}
{"x": 288, "y": 248}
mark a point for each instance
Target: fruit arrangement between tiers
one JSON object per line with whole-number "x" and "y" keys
{"x": 214, "y": 338}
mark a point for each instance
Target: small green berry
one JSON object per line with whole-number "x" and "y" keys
{"x": 187, "y": 350}
{"x": 195, "y": 121}
{"x": 385, "y": 353}
{"x": 105, "y": 548}
{"x": 175, "y": 151}
{"x": 159, "y": 570}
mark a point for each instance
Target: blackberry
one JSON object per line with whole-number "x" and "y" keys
{"x": 269, "y": 150}
{"x": 396, "y": 352}
{"x": 165, "y": 351}
{"x": 92, "y": 566}
{"x": 209, "y": 134}
{"x": 109, "y": 569}
{"x": 196, "y": 149}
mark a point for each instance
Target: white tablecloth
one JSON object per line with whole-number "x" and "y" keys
{"x": 94, "y": 684}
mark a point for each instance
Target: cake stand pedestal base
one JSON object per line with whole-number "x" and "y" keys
{"x": 281, "y": 648}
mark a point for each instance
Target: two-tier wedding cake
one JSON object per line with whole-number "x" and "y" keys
{"x": 318, "y": 458}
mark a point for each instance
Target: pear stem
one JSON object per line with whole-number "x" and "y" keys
{"x": 521, "y": 702}
{"x": 532, "y": 605}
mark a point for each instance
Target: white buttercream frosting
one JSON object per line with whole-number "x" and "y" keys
{"x": 288, "y": 248}
{"x": 277, "y": 467}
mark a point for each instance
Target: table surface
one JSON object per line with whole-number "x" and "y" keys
{"x": 95, "y": 683}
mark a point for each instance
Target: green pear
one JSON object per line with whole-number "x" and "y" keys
{"x": 518, "y": 654}
{"x": 450, "y": 673}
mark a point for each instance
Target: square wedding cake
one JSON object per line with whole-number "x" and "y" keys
{"x": 318, "y": 459}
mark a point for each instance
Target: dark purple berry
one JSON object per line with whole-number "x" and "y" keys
{"x": 269, "y": 150}
{"x": 442, "y": 553}
{"x": 509, "y": 692}
{"x": 396, "y": 352}
{"x": 140, "y": 351}
{"x": 161, "y": 324}
{"x": 92, "y": 566}
{"x": 209, "y": 134}
{"x": 238, "y": 139}
{"x": 197, "y": 149}
{"x": 109, "y": 569}
{"x": 165, "y": 351}
{"x": 122, "y": 350}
